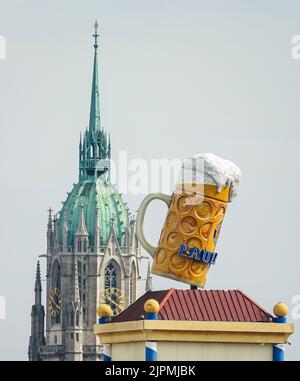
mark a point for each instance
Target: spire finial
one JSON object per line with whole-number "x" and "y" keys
{"x": 38, "y": 271}
{"x": 50, "y": 210}
{"x": 38, "y": 285}
{"x": 96, "y": 35}
{"x": 81, "y": 229}
{"x": 65, "y": 229}
{"x": 148, "y": 279}
{"x": 81, "y": 206}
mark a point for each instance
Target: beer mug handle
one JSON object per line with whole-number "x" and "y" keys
{"x": 141, "y": 215}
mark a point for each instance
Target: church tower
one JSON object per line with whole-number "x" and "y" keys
{"x": 37, "y": 338}
{"x": 93, "y": 255}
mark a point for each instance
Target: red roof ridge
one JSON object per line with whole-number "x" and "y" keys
{"x": 254, "y": 302}
{"x": 198, "y": 305}
{"x": 169, "y": 293}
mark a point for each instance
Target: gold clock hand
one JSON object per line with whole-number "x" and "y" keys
{"x": 56, "y": 305}
{"x": 109, "y": 300}
{"x": 118, "y": 308}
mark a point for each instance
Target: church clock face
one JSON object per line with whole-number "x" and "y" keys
{"x": 54, "y": 302}
{"x": 113, "y": 296}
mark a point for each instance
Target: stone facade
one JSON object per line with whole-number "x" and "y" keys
{"x": 93, "y": 255}
{"x": 80, "y": 277}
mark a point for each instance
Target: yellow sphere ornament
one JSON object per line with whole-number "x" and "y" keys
{"x": 280, "y": 309}
{"x": 151, "y": 306}
{"x": 104, "y": 310}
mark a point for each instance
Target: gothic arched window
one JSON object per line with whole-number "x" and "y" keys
{"x": 112, "y": 285}
{"x": 85, "y": 245}
{"x": 56, "y": 275}
{"x": 72, "y": 316}
{"x": 111, "y": 275}
{"x": 92, "y": 151}
{"x": 79, "y": 245}
{"x": 56, "y": 283}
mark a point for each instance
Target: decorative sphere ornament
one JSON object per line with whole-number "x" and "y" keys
{"x": 280, "y": 309}
{"x": 104, "y": 310}
{"x": 151, "y": 306}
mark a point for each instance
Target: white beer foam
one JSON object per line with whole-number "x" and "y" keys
{"x": 207, "y": 168}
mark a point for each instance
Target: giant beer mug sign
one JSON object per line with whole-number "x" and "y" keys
{"x": 187, "y": 245}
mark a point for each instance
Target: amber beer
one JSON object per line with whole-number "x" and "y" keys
{"x": 186, "y": 248}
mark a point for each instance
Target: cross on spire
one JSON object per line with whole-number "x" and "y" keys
{"x": 94, "y": 148}
{"x": 96, "y": 35}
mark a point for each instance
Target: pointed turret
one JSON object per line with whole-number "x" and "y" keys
{"x": 81, "y": 236}
{"x": 74, "y": 350}
{"x": 81, "y": 229}
{"x": 49, "y": 232}
{"x": 80, "y": 145}
{"x": 112, "y": 225}
{"x": 55, "y": 233}
{"x": 109, "y": 147}
{"x": 127, "y": 228}
{"x": 148, "y": 286}
{"x": 37, "y": 338}
{"x": 65, "y": 230}
{"x": 38, "y": 286}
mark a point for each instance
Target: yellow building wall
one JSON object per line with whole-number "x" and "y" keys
{"x": 128, "y": 351}
{"x": 184, "y": 351}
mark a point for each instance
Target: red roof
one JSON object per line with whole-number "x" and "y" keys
{"x": 199, "y": 305}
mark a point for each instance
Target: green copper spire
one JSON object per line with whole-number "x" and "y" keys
{"x": 94, "y": 150}
{"x": 95, "y": 105}
{"x": 94, "y": 204}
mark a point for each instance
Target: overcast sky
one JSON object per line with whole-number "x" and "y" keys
{"x": 177, "y": 77}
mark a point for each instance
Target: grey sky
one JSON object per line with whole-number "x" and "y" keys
{"x": 177, "y": 77}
